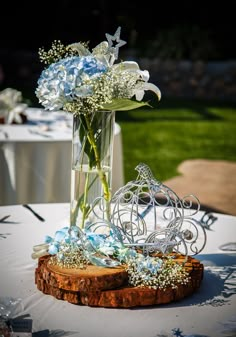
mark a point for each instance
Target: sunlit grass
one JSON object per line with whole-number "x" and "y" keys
{"x": 174, "y": 131}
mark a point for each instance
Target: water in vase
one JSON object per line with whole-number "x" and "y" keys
{"x": 86, "y": 193}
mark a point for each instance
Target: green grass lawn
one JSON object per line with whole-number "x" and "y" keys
{"x": 174, "y": 131}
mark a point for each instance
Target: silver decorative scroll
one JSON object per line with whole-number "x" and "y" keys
{"x": 150, "y": 216}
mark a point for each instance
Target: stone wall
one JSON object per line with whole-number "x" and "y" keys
{"x": 204, "y": 80}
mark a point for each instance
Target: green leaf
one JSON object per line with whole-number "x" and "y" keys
{"x": 124, "y": 104}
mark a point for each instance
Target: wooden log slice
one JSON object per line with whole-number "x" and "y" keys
{"x": 72, "y": 279}
{"x": 65, "y": 284}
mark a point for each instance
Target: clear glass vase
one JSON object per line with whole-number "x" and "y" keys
{"x": 91, "y": 176}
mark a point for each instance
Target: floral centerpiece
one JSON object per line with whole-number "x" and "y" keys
{"x": 84, "y": 262}
{"x": 12, "y": 107}
{"x": 88, "y": 84}
{"x": 131, "y": 260}
{"x": 80, "y": 81}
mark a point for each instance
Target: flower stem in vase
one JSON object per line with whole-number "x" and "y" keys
{"x": 101, "y": 173}
{"x": 91, "y": 165}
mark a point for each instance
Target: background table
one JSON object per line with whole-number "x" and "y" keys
{"x": 35, "y": 159}
{"x": 208, "y": 312}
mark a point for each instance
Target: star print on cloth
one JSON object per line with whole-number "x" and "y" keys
{"x": 177, "y": 332}
{"x": 114, "y": 49}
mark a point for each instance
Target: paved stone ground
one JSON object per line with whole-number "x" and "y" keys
{"x": 212, "y": 181}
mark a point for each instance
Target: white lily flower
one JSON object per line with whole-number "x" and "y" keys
{"x": 139, "y": 93}
{"x": 133, "y": 67}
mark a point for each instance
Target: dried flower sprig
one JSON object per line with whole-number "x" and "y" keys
{"x": 156, "y": 272}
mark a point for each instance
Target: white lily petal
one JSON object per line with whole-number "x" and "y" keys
{"x": 127, "y": 65}
{"x": 154, "y": 88}
{"x": 100, "y": 49}
{"x": 145, "y": 75}
{"x": 131, "y": 66}
{"x": 80, "y": 48}
{"x": 139, "y": 94}
{"x": 103, "y": 58}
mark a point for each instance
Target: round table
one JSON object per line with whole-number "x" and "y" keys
{"x": 35, "y": 159}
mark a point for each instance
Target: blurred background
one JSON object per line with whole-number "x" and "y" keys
{"x": 155, "y": 31}
{"x": 187, "y": 47}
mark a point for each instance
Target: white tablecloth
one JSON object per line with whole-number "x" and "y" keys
{"x": 35, "y": 165}
{"x": 209, "y": 312}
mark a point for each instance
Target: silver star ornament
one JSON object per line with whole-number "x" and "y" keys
{"x": 114, "y": 49}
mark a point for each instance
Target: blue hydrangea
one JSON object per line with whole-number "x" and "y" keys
{"x": 66, "y": 80}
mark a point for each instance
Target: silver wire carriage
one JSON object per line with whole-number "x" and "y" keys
{"x": 149, "y": 216}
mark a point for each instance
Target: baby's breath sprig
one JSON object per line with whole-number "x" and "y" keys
{"x": 70, "y": 255}
{"x": 57, "y": 52}
{"x": 102, "y": 94}
{"x": 54, "y": 54}
{"x": 155, "y": 272}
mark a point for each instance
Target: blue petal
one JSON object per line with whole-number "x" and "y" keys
{"x": 48, "y": 239}
{"x": 53, "y": 249}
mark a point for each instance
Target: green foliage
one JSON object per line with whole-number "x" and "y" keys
{"x": 175, "y": 131}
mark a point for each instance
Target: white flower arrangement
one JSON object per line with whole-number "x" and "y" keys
{"x": 85, "y": 82}
{"x": 77, "y": 80}
{"x": 11, "y": 106}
